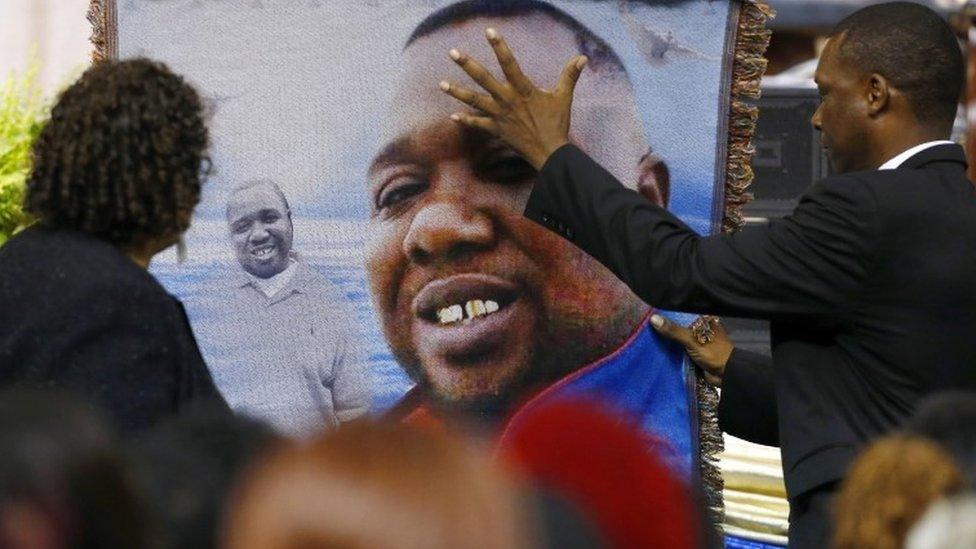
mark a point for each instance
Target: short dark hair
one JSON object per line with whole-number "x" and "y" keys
{"x": 911, "y": 46}
{"x": 947, "y": 418}
{"x": 600, "y": 53}
{"x": 121, "y": 156}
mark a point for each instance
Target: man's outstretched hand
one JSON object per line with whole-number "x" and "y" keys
{"x": 531, "y": 120}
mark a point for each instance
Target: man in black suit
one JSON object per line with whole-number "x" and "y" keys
{"x": 867, "y": 284}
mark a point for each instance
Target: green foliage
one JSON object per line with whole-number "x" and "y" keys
{"x": 22, "y": 114}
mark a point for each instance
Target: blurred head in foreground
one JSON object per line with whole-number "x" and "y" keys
{"x": 888, "y": 488}
{"x": 62, "y": 479}
{"x": 377, "y": 485}
{"x": 187, "y": 465}
{"x": 949, "y": 419}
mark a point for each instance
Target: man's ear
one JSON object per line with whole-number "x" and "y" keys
{"x": 654, "y": 179}
{"x": 878, "y": 94}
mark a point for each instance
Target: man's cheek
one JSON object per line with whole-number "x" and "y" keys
{"x": 583, "y": 286}
{"x": 380, "y": 271}
{"x": 543, "y": 244}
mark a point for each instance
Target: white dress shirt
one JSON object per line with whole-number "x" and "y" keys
{"x": 901, "y": 158}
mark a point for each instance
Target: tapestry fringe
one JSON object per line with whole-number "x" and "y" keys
{"x": 102, "y": 33}
{"x": 748, "y": 67}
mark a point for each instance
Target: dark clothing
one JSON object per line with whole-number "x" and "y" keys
{"x": 868, "y": 286}
{"x": 811, "y": 517}
{"x": 79, "y": 315}
{"x": 748, "y": 406}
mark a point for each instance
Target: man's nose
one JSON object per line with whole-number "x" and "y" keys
{"x": 259, "y": 234}
{"x": 447, "y": 231}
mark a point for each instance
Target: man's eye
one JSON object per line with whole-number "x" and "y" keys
{"x": 397, "y": 193}
{"x": 270, "y": 218}
{"x": 241, "y": 227}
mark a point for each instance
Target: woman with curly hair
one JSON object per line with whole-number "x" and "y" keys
{"x": 116, "y": 174}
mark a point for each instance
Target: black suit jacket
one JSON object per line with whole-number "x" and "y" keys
{"x": 78, "y": 315}
{"x": 747, "y": 408}
{"x": 868, "y": 286}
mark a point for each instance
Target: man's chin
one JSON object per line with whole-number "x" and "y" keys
{"x": 484, "y": 397}
{"x": 269, "y": 270}
{"x": 487, "y": 401}
{"x": 484, "y": 406}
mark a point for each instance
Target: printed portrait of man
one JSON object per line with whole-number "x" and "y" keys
{"x": 283, "y": 343}
{"x": 484, "y": 308}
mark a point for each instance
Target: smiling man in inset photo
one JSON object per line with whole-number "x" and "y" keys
{"x": 283, "y": 346}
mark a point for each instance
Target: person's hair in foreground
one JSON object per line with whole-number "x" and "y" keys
{"x": 949, "y": 419}
{"x": 376, "y": 485}
{"x": 888, "y": 488}
{"x": 187, "y": 465}
{"x": 63, "y": 482}
{"x": 121, "y": 156}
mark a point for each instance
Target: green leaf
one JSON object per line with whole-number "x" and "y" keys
{"x": 23, "y": 112}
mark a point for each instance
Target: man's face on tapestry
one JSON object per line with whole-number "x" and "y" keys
{"x": 260, "y": 229}
{"x": 477, "y": 301}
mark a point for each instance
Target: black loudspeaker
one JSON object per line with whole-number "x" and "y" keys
{"x": 789, "y": 158}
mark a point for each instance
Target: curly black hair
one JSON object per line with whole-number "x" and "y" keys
{"x": 122, "y": 156}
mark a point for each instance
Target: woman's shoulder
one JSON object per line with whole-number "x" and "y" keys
{"x": 72, "y": 261}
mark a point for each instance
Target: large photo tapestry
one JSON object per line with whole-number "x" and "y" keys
{"x": 357, "y": 252}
